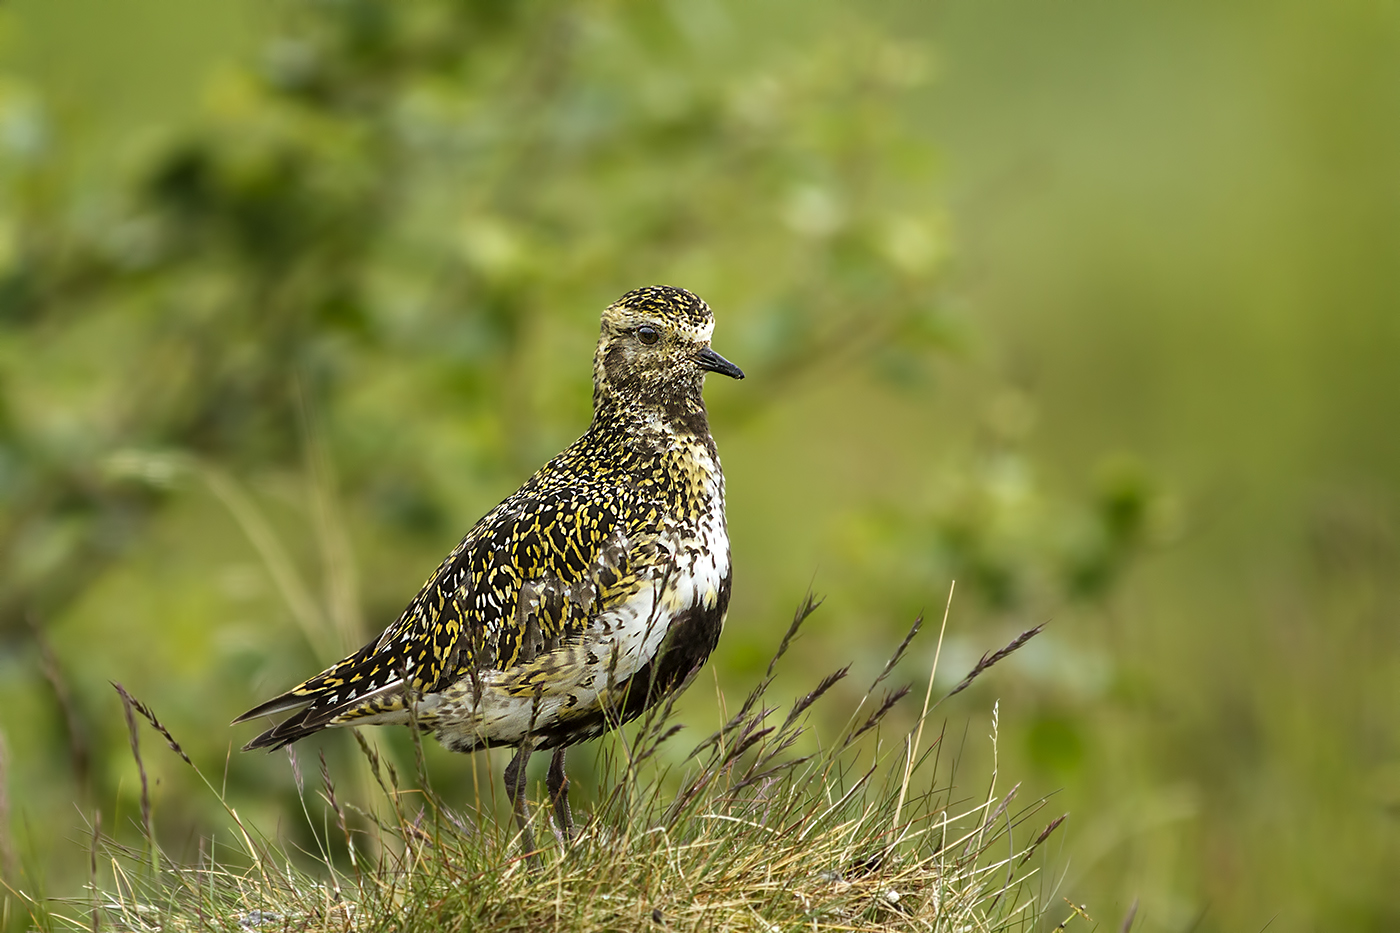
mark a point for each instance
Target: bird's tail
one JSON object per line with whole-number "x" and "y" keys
{"x": 318, "y": 702}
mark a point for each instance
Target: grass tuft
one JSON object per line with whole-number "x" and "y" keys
{"x": 760, "y": 827}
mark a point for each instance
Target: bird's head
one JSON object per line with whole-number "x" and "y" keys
{"x": 654, "y": 351}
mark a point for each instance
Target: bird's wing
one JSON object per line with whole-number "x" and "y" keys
{"x": 529, "y": 575}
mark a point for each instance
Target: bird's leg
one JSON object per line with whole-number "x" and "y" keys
{"x": 558, "y": 784}
{"x": 515, "y": 789}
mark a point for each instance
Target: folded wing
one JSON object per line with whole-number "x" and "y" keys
{"x": 527, "y": 578}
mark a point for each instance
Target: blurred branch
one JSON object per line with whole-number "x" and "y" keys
{"x": 79, "y": 747}
{"x": 9, "y": 864}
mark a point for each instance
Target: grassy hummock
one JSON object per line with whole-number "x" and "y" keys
{"x": 748, "y": 832}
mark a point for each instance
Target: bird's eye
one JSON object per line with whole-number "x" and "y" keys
{"x": 648, "y": 335}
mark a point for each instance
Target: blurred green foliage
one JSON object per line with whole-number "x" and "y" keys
{"x": 290, "y": 294}
{"x": 463, "y": 185}
{"x": 265, "y": 368}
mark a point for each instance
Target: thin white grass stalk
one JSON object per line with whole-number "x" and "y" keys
{"x": 992, "y": 785}
{"x": 813, "y": 824}
{"x": 321, "y": 844}
{"x": 256, "y": 528}
{"x": 672, "y": 852}
{"x": 248, "y": 845}
{"x": 992, "y": 867}
{"x": 119, "y": 876}
{"x": 913, "y": 750}
{"x": 734, "y": 819}
{"x": 1007, "y": 886}
{"x": 849, "y": 846}
{"x": 960, "y": 818}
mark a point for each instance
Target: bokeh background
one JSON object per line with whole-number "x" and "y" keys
{"x": 1094, "y": 307}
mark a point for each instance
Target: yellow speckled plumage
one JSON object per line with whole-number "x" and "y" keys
{"x": 584, "y": 597}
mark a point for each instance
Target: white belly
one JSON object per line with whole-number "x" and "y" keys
{"x": 575, "y": 679}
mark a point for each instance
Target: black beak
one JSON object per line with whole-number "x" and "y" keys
{"x": 709, "y": 359}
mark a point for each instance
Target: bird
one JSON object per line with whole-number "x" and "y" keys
{"x": 584, "y": 598}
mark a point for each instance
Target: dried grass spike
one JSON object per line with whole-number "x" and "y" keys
{"x": 992, "y": 658}
{"x": 1044, "y": 834}
{"x": 899, "y": 652}
{"x": 802, "y": 704}
{"x": 156, "y": 724}
{"x": 886, "y": 705}
{"x": 809, "y": 605}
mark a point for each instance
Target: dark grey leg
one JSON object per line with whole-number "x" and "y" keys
{"x": 558, "y": 784}
{"x": 515, "y": 789}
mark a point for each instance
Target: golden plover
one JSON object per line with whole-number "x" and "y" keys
{"x": 581, "y": 600}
